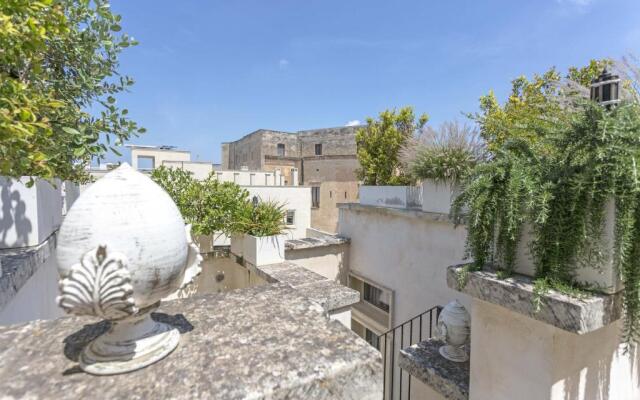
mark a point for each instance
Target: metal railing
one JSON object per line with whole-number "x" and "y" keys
{"x": 414, "y": 330}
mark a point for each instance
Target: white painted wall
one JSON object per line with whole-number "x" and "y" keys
{"x": 296, "y": 198}
{"x": 200, "y": 170}
{"x": 159, "y": 155}
{"x": 36, "y": 299}
{"x": 249, "y": 178}
{"x": 28, "y": 215}
{"x": 516, "y": 357}
{"x": 391, "y": 196}
{"x": 328, "y": 261}
{"x": 406, "y": 254}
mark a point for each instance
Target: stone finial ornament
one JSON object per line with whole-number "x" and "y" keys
{"x": 454, "y": 326}
{"x": 121, "y": 248}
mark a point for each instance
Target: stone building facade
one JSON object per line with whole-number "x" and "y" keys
{"x": 323, "y": 159}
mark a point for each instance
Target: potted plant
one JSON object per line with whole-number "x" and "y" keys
{"x": 262, "y": 224}
{"x": 441, "y": 159}
{"x": 211, "y": 207}
{"x": 564, "y": 208}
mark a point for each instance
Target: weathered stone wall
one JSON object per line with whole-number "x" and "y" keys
{"x": 332, "y": 193}
{"x": 245, "y": 152}
{"x": 335, "y": 141}
{"x": 271, "y": 139}
{"x": 224, "y": 155}
{"x": 327, "y": 168}
{"x": 333, "y": 171}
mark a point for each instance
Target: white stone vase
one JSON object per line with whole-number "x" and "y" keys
{"x": 454, "y": 326}
{"x": 122, "y": 247}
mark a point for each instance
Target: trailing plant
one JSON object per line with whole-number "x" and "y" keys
{"x": 58, "y": 82}
{"x": 380, "y": 143}
{"x": 559, "y": 186}
{"x": 446, "y": 154}
{"x": 266, "y": 218}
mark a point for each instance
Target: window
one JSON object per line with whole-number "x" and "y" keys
{"x": 330, "y": 194}
{"x": 345, "y": 195}
{"x": 290, "y": 217}
{"x": 315, "y": 196}
{"x": 280, "y": 149}
{"x": 372, "y": 338}
{"x": 318, "y": 149}
{"x": 146, "y": 163}
{"x": 376, "y": 297}
{"x": 236, "y": 177}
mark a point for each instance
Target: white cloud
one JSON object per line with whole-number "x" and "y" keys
{"x": 354, "y": 122}
{"x": 283, "y": 63}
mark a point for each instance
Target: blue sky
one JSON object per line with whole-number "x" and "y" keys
{"x": 213, "y": 71}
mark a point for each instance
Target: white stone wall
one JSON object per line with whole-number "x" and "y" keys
{"x": 406, "y": 253}
{"x": 250, "y": 178}
{"x": 295, "y": 198}
{"x": 159, "y": 155}
{"x": 200, "y": 170}
{"x": 514, "y": 356}
{"x": 28, "y": 215}
{"x": 36, "y": 299}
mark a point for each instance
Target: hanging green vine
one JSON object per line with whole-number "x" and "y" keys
{"x": 561, "y": 187}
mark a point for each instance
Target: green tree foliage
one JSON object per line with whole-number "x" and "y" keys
{"x": 532, "y": 108}
{"x": 209, "y": 206}
{"x": 380, "y": 143}
{"x": 559, "y": 185}
{"x": 58, "y": 79}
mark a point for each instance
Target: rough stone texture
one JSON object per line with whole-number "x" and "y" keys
{"x": 312, "y": 243}
{"x": 577, "y": 315}
{"x": 423, "y": 361}
{"x": 333, "y": 171}
{"x": 330, "y": 295}
{"x": 397, "y": 212}
{"x": 18, "y": 265}
{"x": 261, "y": 342}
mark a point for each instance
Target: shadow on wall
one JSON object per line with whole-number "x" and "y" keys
{"x": 15, "y": 227}
{"x": 612, "y": 375}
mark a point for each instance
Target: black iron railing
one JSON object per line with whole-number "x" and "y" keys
{"x": 414, "y": 330}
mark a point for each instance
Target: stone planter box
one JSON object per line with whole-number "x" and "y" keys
{"x": 263, "y": 250}
{"x": 237, "y": 244}
{"x": 601, "y": 275}
{"x": 391, "y": 196}
{"x": 30, "y": 215}
{"x": 205, "y": 243}
{"x": 438, "y": 196}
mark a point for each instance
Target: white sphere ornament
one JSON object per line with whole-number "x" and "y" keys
{"x": 122, "y": 247}
{"x": 454, "y": 326}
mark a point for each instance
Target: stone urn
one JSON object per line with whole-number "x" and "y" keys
{"x": 122, "y": 247}
{"x": 454, "y": 326}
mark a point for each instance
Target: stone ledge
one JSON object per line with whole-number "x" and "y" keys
{"x": 424, "y": 362}
{"x": 19, "y": 264}
{"x": 576, "y": 315}
{"x": 397, "y": 212}
{"x": 266, "y": 341}
{"x": 313, "y": 243}
{"x": 330, "y": 295}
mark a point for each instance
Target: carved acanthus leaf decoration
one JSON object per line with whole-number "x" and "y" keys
{"x": 99, "y": 285}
